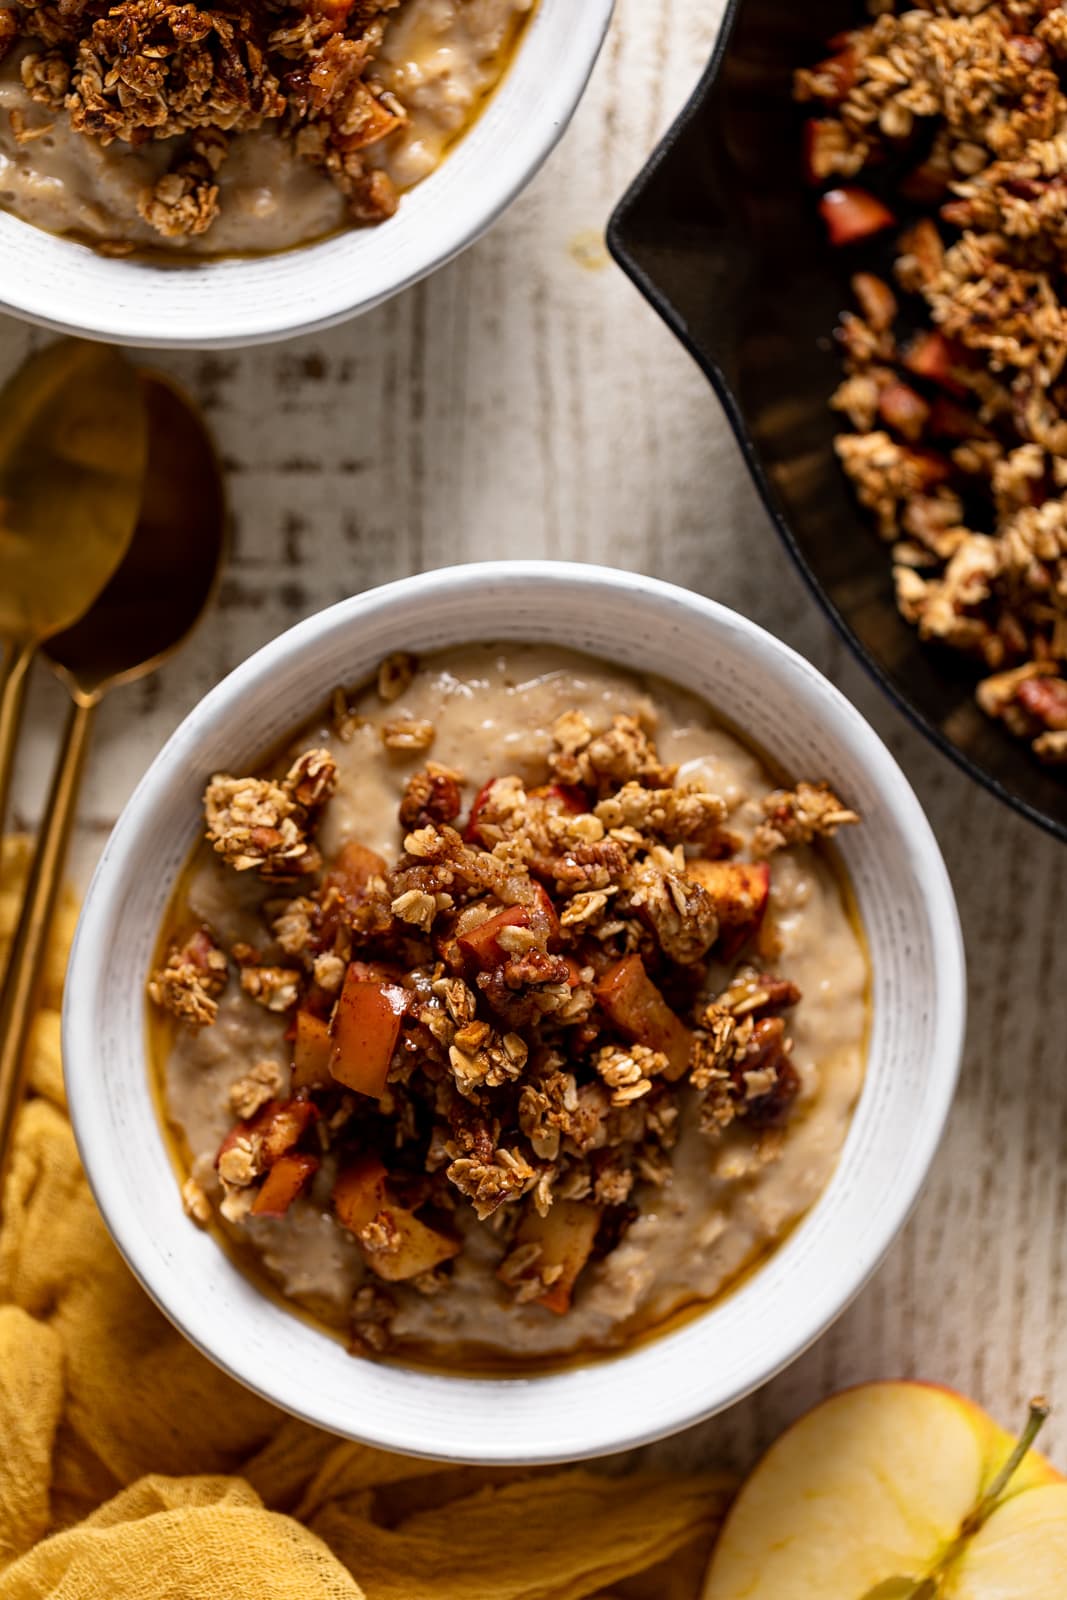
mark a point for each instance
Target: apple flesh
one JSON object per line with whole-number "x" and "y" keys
{"x": 740, "y": 891}
{"x": 566, "y": 1236}
{"x": 364, "y": 1029}
{"x": 312, "y": 1052}
{"x": 353, "y": 869}
{"x": 360, "y": 1196}
{"x": 630, "y": 1000}
{"x": 878, "y": 1492}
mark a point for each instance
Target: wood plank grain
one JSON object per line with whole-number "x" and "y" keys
{"x": 525, "y": 401}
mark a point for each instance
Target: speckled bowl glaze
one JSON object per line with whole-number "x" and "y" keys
{"x": 65, "y": 285}
{"x": 904, "y": 898}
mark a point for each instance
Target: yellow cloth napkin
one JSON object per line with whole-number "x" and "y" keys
{"x": 132, "y": 1469}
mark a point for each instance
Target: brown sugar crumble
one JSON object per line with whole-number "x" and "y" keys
{"x": 502, "y": 1026}
{"x": 143, "y": 70}
{"x": 955, "y": 387}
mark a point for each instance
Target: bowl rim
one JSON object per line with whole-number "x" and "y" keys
{"x": 618, "y": 242}
{"x": 103, "y": 904}
{"x": 130, "y": 303}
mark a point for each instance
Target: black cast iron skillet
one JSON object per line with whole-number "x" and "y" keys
{"x": 721, "y": 234}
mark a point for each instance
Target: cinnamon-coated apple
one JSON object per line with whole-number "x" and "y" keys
{"x": 365, "y": 1028}
{"x": 896, "y": 1491}
{"x": 631, "y": 1000}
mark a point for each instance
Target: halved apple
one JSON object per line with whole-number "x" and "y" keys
{"x": 631, "y": 1000}
{"x": 895, "y": 1491}
{"x": 364, "y": 1028}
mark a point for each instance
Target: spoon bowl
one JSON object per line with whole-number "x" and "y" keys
{"x": 154, "y": 597}
{"x": 171, "y": 567}
{"x": 72, "y": 459}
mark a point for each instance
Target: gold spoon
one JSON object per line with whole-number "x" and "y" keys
{"x": 72, "y": 455}
{"x": 157, "y": 594}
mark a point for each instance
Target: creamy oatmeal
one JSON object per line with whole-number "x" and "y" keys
{"x": 147, "y": 124}
{"x": 513, "y": 1010}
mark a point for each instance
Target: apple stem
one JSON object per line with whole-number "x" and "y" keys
{"x": 1039, "y": 1410}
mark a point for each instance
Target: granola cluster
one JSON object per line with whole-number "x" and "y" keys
{"x": 142, "y": 70}
{"x": 956, "y": 386}
{"x": 502, "y": 1027}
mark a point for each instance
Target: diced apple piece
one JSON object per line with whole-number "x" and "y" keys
{"x": 421, "y": 1248}
{"x": 365, "y": 1028}
{"x": 930, "y": 355}
{"x": 312, "y": 1051}
{"x": 359, "y": 1193}
{"x": 276, "y": 1127}
{"x": 852, "y": 214}
{"x": 633, "y": 1003}
{"x": 359, "y": 1197}
{"x": 950, "y": 420}
{"x": 353, "y": 869}
{"x": 283, "y": 1183}
{"x": 903, "y": 410}
{"x": 566, "y": 1236}
{"x": 481, "y": 945}
{"x": 470, "y": 832}
{"x": 740, "y": 890}
{"x": 834, "y": 77}
{"x": 1046, "y": 699}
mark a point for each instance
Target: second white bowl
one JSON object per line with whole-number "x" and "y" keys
{"x": 65, "y": 285}
{"x": 904, "y": 898}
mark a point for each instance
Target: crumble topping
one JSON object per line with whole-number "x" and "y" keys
{"x": 500, "y": 1030}
{"x": 255, "y": 822}
{"x": 149, "y": 69}
{"x": 194, "y": 976}
{"x": 959, "y": 449}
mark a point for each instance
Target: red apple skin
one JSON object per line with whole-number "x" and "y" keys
{"x": 285, "y": 1180}
{"x": 631, "y": 1001}
{"x": 278, "y": 1125}
{"x": 932, "y": 356}
{"x": 365, "y": 1028}
{"x": 740, "y": 890}
{"x": 480, "y": 945}
{"x": 470, "y": 832}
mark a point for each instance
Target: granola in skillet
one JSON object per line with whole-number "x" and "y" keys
{"x": 498, "y": 1033}
{"x": 958, "y": 110}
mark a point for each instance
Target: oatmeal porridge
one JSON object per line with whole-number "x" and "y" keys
{"x": 241, "y": 129}
{"x": 512, "y": 1011}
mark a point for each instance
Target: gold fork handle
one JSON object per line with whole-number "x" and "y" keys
{"x": 14, "y": 678}
{"x": 19, "y": 996}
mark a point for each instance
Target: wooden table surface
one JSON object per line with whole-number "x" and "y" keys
{"x": 526, "y": 402}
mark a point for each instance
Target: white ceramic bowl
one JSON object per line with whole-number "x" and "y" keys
{"x": 66, "y": 286}
{"x": 907, "y": 907}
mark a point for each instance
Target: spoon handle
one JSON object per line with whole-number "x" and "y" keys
{"x": 14, "y": 678}
{"x": 19, "y": 995}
